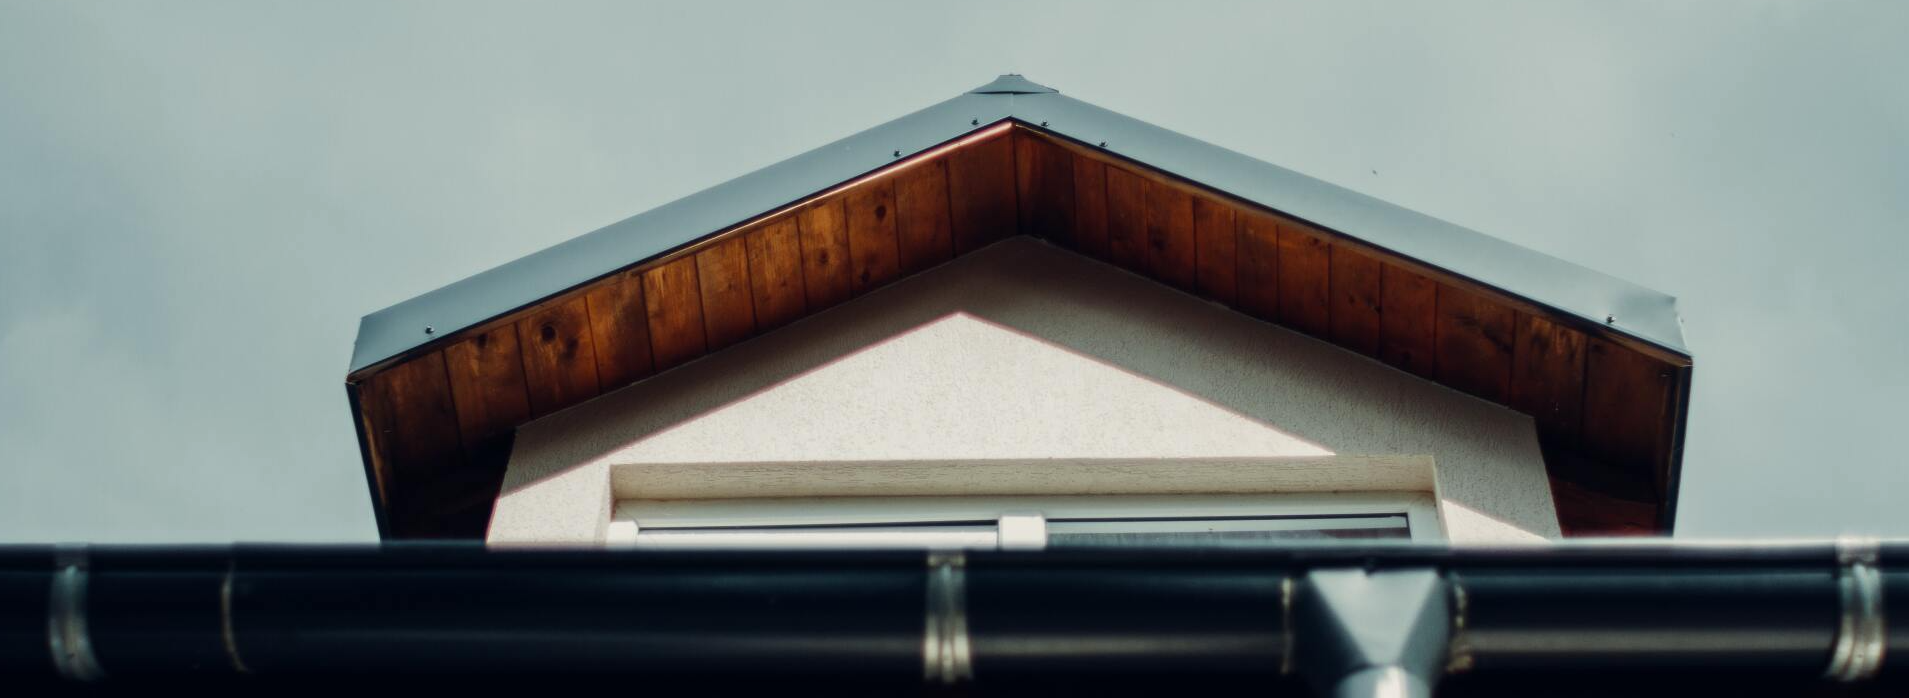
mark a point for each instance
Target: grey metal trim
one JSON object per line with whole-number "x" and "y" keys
{"x": 1541, "y": 279}
{"x": 1862, "y": 632}
{"x": 67, "y": 634}
{"x": 947, "y": 656}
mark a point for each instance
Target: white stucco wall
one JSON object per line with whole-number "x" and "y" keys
{"x": 1019, "y": 355}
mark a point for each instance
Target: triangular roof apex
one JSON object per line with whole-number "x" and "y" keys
{"x": 1013, "y": 84}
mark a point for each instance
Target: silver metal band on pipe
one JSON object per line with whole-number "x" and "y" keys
{"x": 945, "y": 651}
{"x": 67, "y": 636}
{"x": 1861, "y": 633}
{"x": 226, "y": 632}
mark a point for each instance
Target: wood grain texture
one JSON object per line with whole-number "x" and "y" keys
{"x": 413, "y": 424}
{"x": 488, "y": 387}
{"x": 1090, "y": 207}
{"x": 1216, "y": 242}
{"x": 1473, "y": 348}
{"x": 1584, "y": 511}
{"x": 1357, "y": 306}
{"x": 922, "y": 217}
{"x": 1045, "y": 176}
{"x": 775, "y": 273}
{"x": 722, "y": 272}
{"x": 1408, "y": 327}
{"x": 1126, "y": 219}
{"x": 874, "y": 248}
{"x": 1171, "y": 247}
{"x": 1258, "y": 263}
{"x": 825, "y": 259}
{"x": 1305, "y": 271}
{"x": 981, "y": 192}
{"x": 674, "y": 301}
{"x": 560, "y": 360}
{"x": 1547, "y": 376}
{"x": 620, "y": 329}
{"x": 1627, "y": 403}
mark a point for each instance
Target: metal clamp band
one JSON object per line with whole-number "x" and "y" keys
{"x": 1286, "y": 634}
{"x": 1861, "y": 634}
{"x": 67, "y": 635}
{"x": 945, "y": 654}
{"x": 1459, "y": 648}
{"x": 225, "y": 620}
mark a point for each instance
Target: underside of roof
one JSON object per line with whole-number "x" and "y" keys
{"x": 440, "y": 381}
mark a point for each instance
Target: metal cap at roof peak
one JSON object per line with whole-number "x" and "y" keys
{"x": 1013, "y": 84}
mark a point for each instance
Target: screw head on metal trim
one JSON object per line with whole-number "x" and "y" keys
{"x": 974, "y": 122}
{"x": 1103, "y": 144}
{"x": 1043, "y": 124}
{"x": 430, "y": 330}
{"x": 1610, "y": 319}
{"x": 897, "y": 153}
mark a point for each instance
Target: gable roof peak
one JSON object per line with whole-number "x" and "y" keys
{"x": 1013, "y": 84}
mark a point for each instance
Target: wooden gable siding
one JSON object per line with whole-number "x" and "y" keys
{"x": 437, "y": 421}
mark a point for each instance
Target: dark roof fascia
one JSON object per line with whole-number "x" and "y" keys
{"x": 1536, "y": 277}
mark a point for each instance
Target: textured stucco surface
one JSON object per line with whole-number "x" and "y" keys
{"x": 1018, "y": 352}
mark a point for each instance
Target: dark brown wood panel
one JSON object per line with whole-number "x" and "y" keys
{"x": 1305, "y": 273}
{"x": 620, "y": 329}
{"x": 1473, "y": 350}
{"x": 1090, "y": 207}
{"x": 1408, "y": 327}
{"x": 873, "y": 247}
{"x": 775, "y": 273}
{"x": 1216, "y": 243}
{"x": 1045, "y": 174}
{"x": 1627, "y": 402}
{"x": 825, "y": 258}
{"x": 487, "y": 385}
{"x": 674, "y": 300}
{"x": 1171, "y": 248}
{"x": 981, "y": 191}
{"x": 413, "y": 423}
{"x": 1258, "y": 263}
{"x": 560, "y": 360}
{"x": 722, "y": 272}
{"x": 1547, "y": 376}
{"x": 1357, "y": 305}
{"x": 1126, "y": 219}
{"x": 1584, "y": 511}
{"x": 922, "y": 218}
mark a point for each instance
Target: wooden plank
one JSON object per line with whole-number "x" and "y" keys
{"x": 825, "y": 258}
{"x": 1408, "y": 327}
{"x": 488, "y": 386}
{"x": 1305, "y": 269}
{"x": 1258, "y": 263}
{"x": 873, "y": 247}
{"x": 1547, "y": 376}
{"x": 1473, "y": 347}
{"x": 1090, "y": 207}
{"x": 981, "y": 192}
{"x": 1587, "y": 512}
{"x": 1356, "y": 300}
{"x": 722, "y": 272}
{"x": 1126, "y": 219}
{"x": 1627, "y": 402}
{"x": 674, "y": 301}
{"x": 1216, "y": 249}
{"x": 413, "y": 422}
{"x": 1045, "y": 176}
{"x": 922, "y": 219}
{"x": 560, "y": 360}
{"x": 775, "y": 273}
{"x": 620, "y": 329}
{"x": 1171, "y": 249}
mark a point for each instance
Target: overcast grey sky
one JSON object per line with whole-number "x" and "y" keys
{"x": 198, "y": 200}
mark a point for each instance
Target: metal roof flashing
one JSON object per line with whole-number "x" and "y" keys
{"x": 1539, "y": 278}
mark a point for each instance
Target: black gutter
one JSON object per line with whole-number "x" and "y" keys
{"x": 1363, "y": 619}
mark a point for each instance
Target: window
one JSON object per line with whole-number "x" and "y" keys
{"x": 1022, "y": 522}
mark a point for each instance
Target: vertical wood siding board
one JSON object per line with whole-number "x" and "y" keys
{"x": 1045, "y": 191}
{"x": 673, "y": 302}
{"x": 619, "y": 327}
{"x": 488, "y": 386}
{"x": 981, "y": 186}
{"x": 1473, "y": 346}
{"x": 922, "y": 216}
{"x": 1170, "y": 246}
{"x": 874, "y": 247}
{"x": 1126, "y": 220}
{"x": 1357, "y": 303}
{"x": 1216, "y": 250}
{"x": 1305, "y": 269}
{"x": 1627, "y": 396}
{"x": 1090, "y": 207}
{"x": 775, "y": 274}
{"x": 559, "y": 358}
{"x": 1409, "y": 321}
{"x": 1258, "y": 264}
{"x": 823, "y": 235}
{"x": 722, "y": 278}
{"x": 1547, "y": 375}
{"x": 419, "y": 425}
